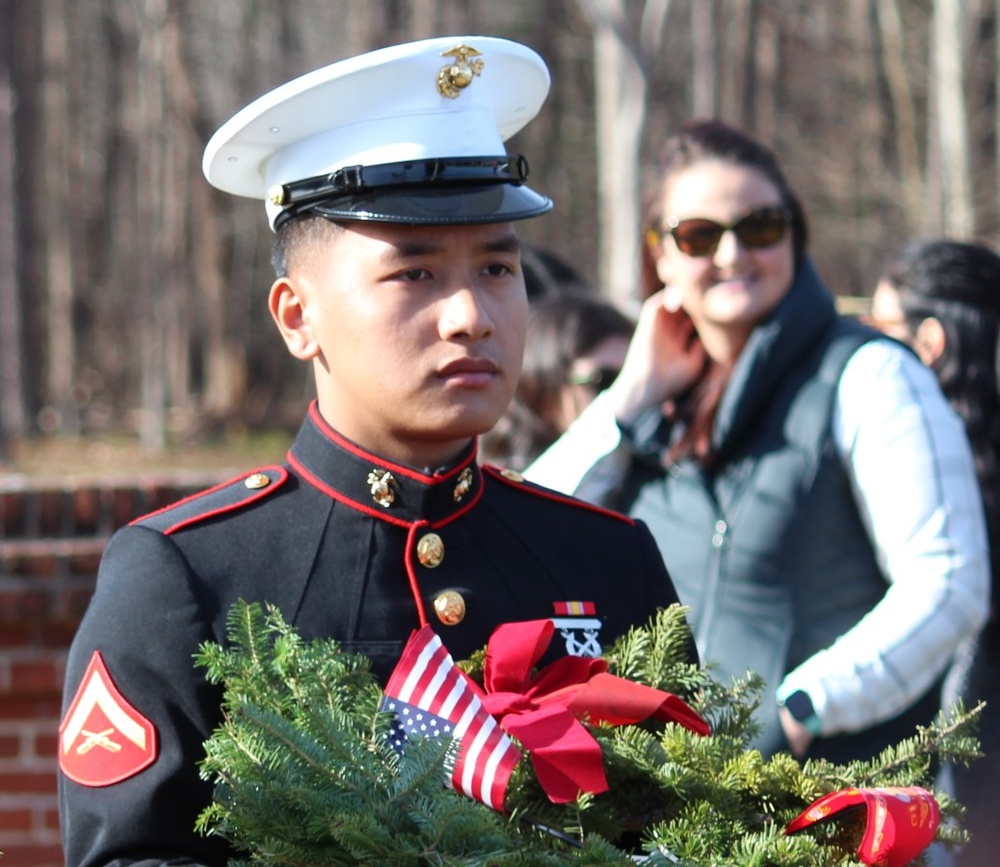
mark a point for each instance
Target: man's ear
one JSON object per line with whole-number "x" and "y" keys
{"x": 929, "y": 340}
{"x": 289, "y": 309}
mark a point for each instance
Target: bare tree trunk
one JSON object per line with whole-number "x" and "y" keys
{"x": 768, "y": 56}
{"x": 705, "y": 84}
{"x": 61, "y": 342}
{"x": 621, "y": 85}
{"x": 13, "y": 413}
{"x": 957, "y": 207}
{"x": 739, "y": 84}
{"x": 906, "y": 136}
{"x": 151, "y": 130}
{"x": 996, "y": 87}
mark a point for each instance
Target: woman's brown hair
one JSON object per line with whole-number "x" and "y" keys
{"x": 698, "y": 141}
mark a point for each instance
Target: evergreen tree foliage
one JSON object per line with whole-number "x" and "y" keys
{"x": 305, "y": 775}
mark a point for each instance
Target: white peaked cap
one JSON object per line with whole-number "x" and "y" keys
{"x": 413, "y": 133}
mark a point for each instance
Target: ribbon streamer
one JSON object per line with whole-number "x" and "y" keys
{"x": 544, "y": 711}
{"x": 901, "y": 821}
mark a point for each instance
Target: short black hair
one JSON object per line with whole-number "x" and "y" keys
{"x": 301, "y": 231}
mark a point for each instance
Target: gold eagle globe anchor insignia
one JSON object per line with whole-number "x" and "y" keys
{"x": 463, "y": 485}
{"x": 454, "y": 77}
{"x": 382, "y": 484}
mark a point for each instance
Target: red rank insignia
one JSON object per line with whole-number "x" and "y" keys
{"x": 103, "y": 739}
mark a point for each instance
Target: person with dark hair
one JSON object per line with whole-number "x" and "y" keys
{"x": 812, "y": 492}
{"x": 942, "y": 297}
{"x": 547, "y": 274}
{"x": 575, "y": 347}
{"x": 399, "y": 282}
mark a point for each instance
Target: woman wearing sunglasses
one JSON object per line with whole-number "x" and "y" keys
{"x": 811, "y": 491}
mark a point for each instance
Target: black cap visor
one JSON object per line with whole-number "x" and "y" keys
{"x": 428, "y": 192}
{"x": 496, "y": 203}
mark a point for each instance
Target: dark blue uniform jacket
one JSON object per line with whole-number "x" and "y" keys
{"x": 338, "y": 547}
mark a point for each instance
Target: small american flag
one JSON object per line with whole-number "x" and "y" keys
{"x": 430, "y": 697}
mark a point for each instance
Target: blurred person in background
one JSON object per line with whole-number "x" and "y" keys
{"x": 942, "y": 297}
{"x": 812, "y": 492}
{"x": 574, "y": 349}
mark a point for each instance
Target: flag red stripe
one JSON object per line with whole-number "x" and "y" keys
{"x": 427, "y": 677}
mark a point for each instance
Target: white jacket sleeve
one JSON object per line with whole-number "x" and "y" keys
{"x": 589, "y": 461}
{"x": 912, "y": 469}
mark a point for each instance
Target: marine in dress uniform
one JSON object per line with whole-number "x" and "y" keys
{"x": 346, "y": 542}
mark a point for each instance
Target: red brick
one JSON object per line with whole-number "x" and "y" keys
{"x": 86, "y": 511}
{"x": 71, "y": 602}
{"x": 36, "y": 564}
{"x": 13, "y": 634}
{"x": 47, "y": 743}
{"x": 28, "y": 676}
{"x": 26, "y": 782}
{"x": 50, "y": 819}
{"x": 12, "y": 506}
{"x": 19, "y": 707}
{"x": 15, "y": 820}
{"x": 24, "y": 604}
{"x": 124, "y": 506}
{"x": 85, "y": 563}
{"x": 34, "y": 856}
{"x": 51, "y": 513}
{"x": 10, "y": 746}
{"x": 57, "y": 634}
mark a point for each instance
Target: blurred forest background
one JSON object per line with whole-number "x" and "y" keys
{"x": 132, "y": 294}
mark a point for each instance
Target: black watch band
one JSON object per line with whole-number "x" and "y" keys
{"x": 800, "y": 706}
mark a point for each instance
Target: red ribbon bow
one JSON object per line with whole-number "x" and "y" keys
{"x": 543, "y": 711}
{"x": 900, "y": 825}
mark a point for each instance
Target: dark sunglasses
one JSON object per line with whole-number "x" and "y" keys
{"x": 598, "y": 379}
{"x": 699, "y": 236}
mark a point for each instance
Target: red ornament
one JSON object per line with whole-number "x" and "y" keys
{"x": 900, "y": 823}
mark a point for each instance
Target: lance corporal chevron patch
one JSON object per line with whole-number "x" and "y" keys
{"x": 103, "y": 739}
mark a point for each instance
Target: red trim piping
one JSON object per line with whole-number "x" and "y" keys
{"x": 343, "y": 498}
{"x": 411, "y": 573}
{"x": 378, "y": 461}
{"x": 257, "y": 495}
{"x": 382, "y": 515}
{"x": 546, "y": 494}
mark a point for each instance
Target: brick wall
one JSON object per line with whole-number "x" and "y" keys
{"x": 51, "y": 538}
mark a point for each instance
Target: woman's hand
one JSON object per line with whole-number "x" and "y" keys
{"x": 798, "y": 736}
{"x": 664, "y": 359}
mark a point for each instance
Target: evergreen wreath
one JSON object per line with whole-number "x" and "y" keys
{"x": 305, "y": 774}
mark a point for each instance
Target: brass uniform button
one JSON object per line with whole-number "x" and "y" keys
{"x": 450, "y": 607}
{"x": 256, "y": 481}
{"x": 430, "y": 550}
{"x": 512, "y": 475}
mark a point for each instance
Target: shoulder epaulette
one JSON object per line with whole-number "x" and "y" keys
{"x": 226, "y": 497}
{"x": 514, "y": 479}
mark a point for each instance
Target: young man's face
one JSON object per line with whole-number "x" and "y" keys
{"x": 416, "y": 333}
